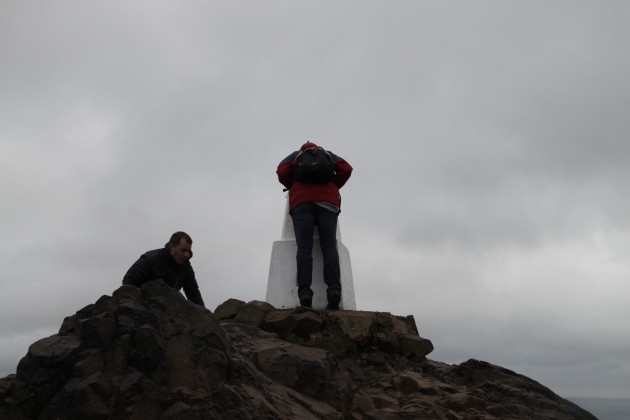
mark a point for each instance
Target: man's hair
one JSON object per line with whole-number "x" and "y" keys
{"x": 177, "y": 237}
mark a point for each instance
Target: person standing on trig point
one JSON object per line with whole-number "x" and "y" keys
{"x": 313, "y": 177}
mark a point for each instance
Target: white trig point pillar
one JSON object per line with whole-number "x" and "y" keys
{"x": 282, "y": 289}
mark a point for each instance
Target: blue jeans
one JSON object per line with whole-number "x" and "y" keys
{"x": 305, "y": 216}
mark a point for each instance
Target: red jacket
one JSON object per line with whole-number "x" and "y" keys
{"x": 300, "y": 192}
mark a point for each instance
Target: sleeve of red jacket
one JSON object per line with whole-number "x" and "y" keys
{"x": 285, "y": 171}
{"x": 344, "y": 170}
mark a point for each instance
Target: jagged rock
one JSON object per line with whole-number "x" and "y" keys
{"x": 253, "y": 313}
{"x": 228, "y": 309}
{"x": 138, "y": 353}
{"x": 149, "y": 353}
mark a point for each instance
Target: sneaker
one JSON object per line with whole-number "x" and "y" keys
{"x": 333, "y": 302}
{"x": 307, "y": 303}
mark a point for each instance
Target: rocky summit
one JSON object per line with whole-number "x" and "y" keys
{"x": 148, "y": 353}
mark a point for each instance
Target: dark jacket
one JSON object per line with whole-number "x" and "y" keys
{"x": 159, "y": 265}
{"x": 300, "y": 192}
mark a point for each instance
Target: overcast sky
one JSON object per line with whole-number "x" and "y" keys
{"x": 489, "y": 142}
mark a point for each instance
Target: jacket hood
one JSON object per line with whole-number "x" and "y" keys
{"x": 307, "y": 145}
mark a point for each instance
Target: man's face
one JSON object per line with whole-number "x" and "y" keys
{"x": 181, "y": 252}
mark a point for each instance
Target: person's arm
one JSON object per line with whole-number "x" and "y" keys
{"x": 285, "y": 171}
{"x": 194, "y": 295}
{"x": 191, "y": 288}
{"x": 343, "y": 170}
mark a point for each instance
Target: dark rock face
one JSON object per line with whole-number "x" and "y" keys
{"x": 142, "y": 353}
{"x": 149, "y": 354}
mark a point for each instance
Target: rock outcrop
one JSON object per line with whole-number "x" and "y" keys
{"x": 149, "y": 354}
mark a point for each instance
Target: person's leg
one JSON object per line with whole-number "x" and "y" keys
{"x": 303, "y": 221}
{"x": 327, "y": 225}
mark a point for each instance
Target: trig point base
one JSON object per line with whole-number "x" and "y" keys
{"x": 282, "y": 290}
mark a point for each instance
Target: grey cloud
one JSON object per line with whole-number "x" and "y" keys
{"x": 488, "y": 142}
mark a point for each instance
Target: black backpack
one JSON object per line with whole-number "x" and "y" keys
{"x": 314, "y": 165}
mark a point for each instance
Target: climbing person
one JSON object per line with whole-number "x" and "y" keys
{"x": 170, "y": 264}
